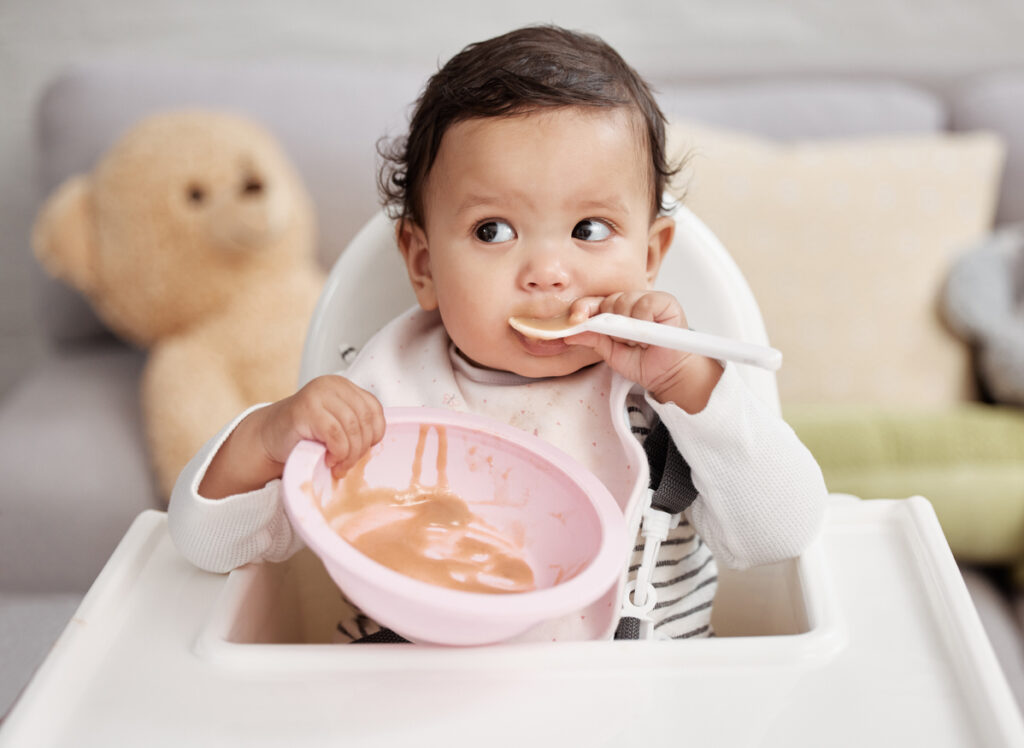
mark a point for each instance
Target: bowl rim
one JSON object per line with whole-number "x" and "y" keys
{"x": 587, "y": 586}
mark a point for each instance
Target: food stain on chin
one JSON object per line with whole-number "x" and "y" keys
{"x": 425, "y": 532}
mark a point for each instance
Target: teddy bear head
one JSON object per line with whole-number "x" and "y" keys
{"x": 186, "y": 209}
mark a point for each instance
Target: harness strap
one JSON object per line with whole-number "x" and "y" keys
{"x": 384, "y": 636}
{"x": 673, "y": 491}
{"x": 670, "y": 474}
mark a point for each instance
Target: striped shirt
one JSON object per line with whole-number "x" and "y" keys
{"x": 685, "y": 575}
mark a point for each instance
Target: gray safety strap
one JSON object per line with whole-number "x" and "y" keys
{"x": 670, "y": 474}
{"x": 673, "y": 489}
{"x": 384, "y": 636}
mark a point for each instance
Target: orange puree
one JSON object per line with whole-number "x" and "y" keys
{"x": 545, "y": 323}
{"x": 426, "y": 532}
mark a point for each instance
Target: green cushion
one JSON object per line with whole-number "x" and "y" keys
{"x": 968, "y": 460}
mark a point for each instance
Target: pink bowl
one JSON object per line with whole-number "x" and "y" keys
{"x": 519, "y": 484}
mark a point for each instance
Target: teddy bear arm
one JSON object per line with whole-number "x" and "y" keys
{"x": 188, "y": 395}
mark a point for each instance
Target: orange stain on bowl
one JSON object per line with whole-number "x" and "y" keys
{"x": 425, "y": 532}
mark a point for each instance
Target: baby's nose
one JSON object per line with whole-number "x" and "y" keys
{"x": 545, "y": 271}
{"x": 548, "y": 283}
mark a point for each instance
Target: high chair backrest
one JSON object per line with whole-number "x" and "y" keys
{"x": 368, "y": 286}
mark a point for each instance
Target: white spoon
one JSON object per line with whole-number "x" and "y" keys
{"x": 664, "y": 336}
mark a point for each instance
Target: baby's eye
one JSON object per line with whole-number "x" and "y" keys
{"x": 494, "y": 232}
{"x": 591, "y": 230}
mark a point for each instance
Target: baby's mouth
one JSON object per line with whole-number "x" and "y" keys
{"x": 538, "y": 347}
{"x": 542, "y": 317}
{"x": 526, "y": 325}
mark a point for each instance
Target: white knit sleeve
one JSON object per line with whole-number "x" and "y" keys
{"x": 762, "y": 495}
{"x": 223, "y": 534}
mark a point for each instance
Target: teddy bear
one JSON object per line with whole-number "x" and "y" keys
{"x": 983, "y": 301}
{"x": 193, "y": 237}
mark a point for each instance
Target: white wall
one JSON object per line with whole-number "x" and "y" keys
{"x": 944, "y": 39}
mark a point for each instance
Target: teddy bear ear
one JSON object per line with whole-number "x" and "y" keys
{"x": 63, "y": 236}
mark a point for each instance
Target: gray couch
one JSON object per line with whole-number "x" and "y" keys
{"x": 71, "y": 448}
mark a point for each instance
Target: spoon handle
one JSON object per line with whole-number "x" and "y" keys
{"x": 681, "y": 339}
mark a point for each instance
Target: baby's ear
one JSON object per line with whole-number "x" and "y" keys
{"x": 412, "y": 241}
{"x": 659, "y": 239}
{"x": 63, "y": 236}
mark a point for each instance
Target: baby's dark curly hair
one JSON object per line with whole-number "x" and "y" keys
{"x": 532, "y": 68}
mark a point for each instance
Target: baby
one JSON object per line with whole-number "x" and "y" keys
{"x": 530, "y": 185}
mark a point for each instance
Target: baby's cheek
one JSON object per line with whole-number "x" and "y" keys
{"x": 473, "y": 336}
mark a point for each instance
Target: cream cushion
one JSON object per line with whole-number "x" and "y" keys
{"x": 845, "y": 244}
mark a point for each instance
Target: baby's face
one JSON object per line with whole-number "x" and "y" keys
{"x": 525, "y": 214}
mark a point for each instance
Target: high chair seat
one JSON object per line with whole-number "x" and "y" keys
{"x": 368, "y": 286}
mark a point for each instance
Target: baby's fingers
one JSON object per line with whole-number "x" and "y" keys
{"x": 649, "y": 306}
{"x": 350, "y": 426}
{"x": 584, "y": 308}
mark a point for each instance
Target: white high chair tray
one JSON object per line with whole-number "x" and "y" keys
{"x": 891, "y": 653}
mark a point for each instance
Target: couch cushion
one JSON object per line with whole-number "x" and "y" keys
{"x": 845, "y": 243}
{"x": 807, "y": 108}
{"x": 29, "y": 626}
{"x": 328, "y": 119}
{"x": 968, "y": 460}
{"x": 996, "y": 103}
{"x": 74, "y": 469}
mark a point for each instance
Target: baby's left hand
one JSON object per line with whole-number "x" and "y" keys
{"x": 686, "y": 379}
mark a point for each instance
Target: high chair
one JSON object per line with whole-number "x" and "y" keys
{"x": 869, "y": 638}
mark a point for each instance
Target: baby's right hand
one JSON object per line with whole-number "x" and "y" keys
{"x": 330, "y": 409}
